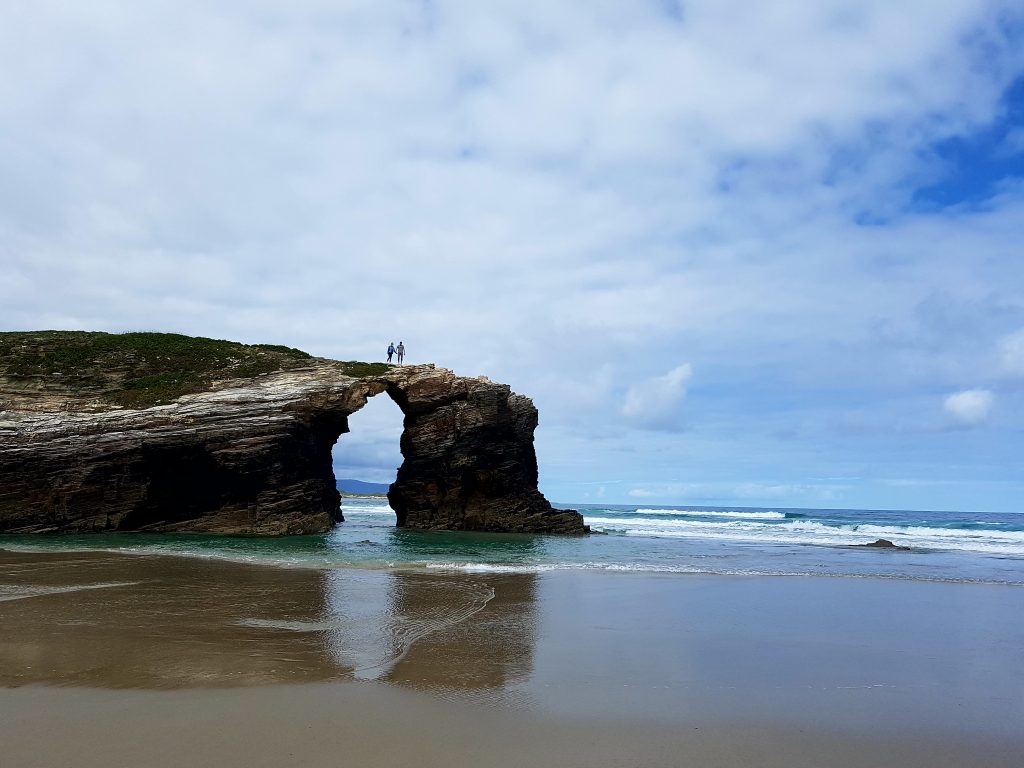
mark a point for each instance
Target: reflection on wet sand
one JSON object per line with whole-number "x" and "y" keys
{"x": 162, "y": 622}
{"x": 374, "y": 618}
{"x": 492, "y": 651}
{"x": 120, "y": 621}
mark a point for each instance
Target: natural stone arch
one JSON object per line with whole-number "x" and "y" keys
{"x": 468, "y": 457}
{"x": 254, "y": 456}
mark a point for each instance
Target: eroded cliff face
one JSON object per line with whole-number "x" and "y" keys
{"x": 253, "y": 456}
{"x": 469, "y": 461}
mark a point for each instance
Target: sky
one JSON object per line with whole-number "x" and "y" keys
{"x": 746, "y": 254}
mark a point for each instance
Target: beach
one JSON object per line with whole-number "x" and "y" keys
{"x": 109, "y": 658}
{"x": 705, "y": 447}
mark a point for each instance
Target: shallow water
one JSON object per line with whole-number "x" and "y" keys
{"x": 944, "y": 546}
{"x": 671, "y": 618}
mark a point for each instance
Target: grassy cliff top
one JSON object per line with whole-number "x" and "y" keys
{"x": 138, "y": 370}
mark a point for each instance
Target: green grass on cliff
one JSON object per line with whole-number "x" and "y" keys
{"x": 363, "y": 370}
{"x": 138, "y": 370}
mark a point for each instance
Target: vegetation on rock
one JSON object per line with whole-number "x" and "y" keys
{"x": 359, "y": 370}
{"x": 139, "y": 370}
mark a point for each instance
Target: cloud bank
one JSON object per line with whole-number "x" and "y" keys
{"x": 818, "y": 206}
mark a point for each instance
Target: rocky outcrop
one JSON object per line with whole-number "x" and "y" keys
{"x": 253, "y": 456}
{"x": 883, "y": 544}
{"x": 469, "y": 461}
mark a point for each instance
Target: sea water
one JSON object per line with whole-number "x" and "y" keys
{"x": 941, "y": 546}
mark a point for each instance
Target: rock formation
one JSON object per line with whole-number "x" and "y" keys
{"x": 469, "y": 462}
{"x": 252, "y": 455}
{"x": 883, "y": 544}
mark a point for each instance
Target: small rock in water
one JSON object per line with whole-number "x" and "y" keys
{"x": 884, "y": 544}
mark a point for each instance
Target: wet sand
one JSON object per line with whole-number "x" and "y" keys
{"x": 115, "y": 659}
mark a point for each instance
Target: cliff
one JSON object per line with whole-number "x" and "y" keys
{"x": 160, "y": 432}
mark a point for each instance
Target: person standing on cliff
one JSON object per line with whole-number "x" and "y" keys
{"x": 401, "y": 352}
{"x": 391, "y": 350}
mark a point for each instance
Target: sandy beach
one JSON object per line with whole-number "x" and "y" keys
{"x": 112, "y": 659}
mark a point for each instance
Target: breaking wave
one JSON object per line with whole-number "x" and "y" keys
{"x": 744, "y": 514}
{"x": 802, "y": 531}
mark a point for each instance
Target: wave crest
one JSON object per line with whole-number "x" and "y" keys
{"x": 739, "y": 514}
{"x": 803, "y": 531}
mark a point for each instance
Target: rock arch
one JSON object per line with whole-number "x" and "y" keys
{"x": 254, "y": 457}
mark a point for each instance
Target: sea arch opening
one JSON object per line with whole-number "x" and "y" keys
{"x": 367, "y": 455}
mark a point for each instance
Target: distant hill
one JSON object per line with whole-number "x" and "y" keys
{"x": 358, "y": 487}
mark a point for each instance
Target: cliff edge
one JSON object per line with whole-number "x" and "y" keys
{"x": 161, "y": 432}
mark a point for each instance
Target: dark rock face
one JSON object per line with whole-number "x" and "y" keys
{"x": 253, "y": 456}
{"x": 469, "y": 458}
{"x": 883, "y": 544}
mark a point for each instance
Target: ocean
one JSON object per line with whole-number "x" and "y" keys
{"x": 966, "y": 547}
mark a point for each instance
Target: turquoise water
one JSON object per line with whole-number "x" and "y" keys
{"x": 945, "y": 546}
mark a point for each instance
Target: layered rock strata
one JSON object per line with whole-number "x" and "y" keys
{"x": 253, "y": 456}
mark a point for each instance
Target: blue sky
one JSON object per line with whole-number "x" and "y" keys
{"x": 752, "y": 254}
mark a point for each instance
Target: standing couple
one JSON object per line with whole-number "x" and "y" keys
{"x": 399, "y": 350}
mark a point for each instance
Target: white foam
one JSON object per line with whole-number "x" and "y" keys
{"x": 994, "y": 542}
{"x": 495, "y": 567}
{"x": 473, "y": 567}
{"x": 470, "y": 567}
{"x": 376, "y": 509}
{"x": 715, "y": 513}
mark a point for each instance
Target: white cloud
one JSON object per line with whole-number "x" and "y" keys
{"x": 743, "y": 493}
{"x": 1011, "y": 353}
{"x": 655, "y": 403}
{"x": 519, "y": 189}
{"x": 370, "y": 449}
{"x": 641, "y": 493}
{"x": 970, "y": 407}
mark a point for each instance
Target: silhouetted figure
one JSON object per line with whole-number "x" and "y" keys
{"x": 401, "y": 352}
{"x": 391, "y": 351}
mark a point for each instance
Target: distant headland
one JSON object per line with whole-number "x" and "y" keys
{"x": 348, "y": 487}
{"x": 165, "y": 432}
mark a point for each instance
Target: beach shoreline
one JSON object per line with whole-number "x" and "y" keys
{"x": 123, "y": 655}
